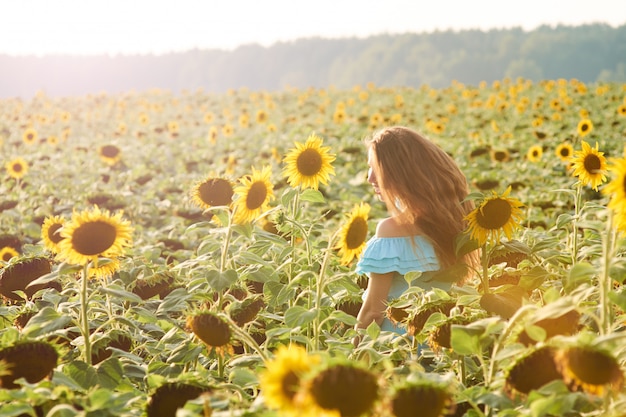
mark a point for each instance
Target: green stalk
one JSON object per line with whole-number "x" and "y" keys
{"x": 319, "y": 291}
{"x": 605, "y": 283}
{"x": 229, "y": 232}
{"x": 84, "y": 326}
{"x": 245, "y": 337}
{"x": 577, "y": 210}
{"x": 484, "y": 277}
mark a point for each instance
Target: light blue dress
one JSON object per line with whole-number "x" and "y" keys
{"x": 396, "y": 254}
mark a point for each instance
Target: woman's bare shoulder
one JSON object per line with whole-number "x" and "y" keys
{"x": 389, "y": 227}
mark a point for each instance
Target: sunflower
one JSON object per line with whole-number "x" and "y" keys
{"x": 94, "y": 233}
{"x": 31, "y": 360}
{"x": 309, "y": 164}
{"x": 617, "y": 187}
{"x": 143, "y": 119}
{"x": 584, "y": 127}
{"x": 29, "y": 136}
{"x": 261, "y": 116}
{"x": 590, "y": 369}
{"x": 589, "y": 165}
{"x": 213, "y": 331}
{"x": 171, "y": 396}
{"x": 228, "y": 130}
{"x": 532, "y": 371}
{"x": 17, "y": 168}
{"x": 617, "y": 190}
{"x": 110, "y": 154}
{"x": 213, "y": 191}
{"x": 564, "y": 151}
{"x": 7, "y": 252}
{"x": 495, "y": 215}
{"x": 50, "y": 233}
{"x": 345, "y": 388}
{"x": 254, "y": 194}
{"x": 535, "y": 153}
{"x": 422, "y": 398}
{"x": 104, "y": 269}
{"x": 282, "y": 380}
{"x": 500, "y": 155}
{"x": 353, "y": 235}
{"x": 621, "y": 110}
{"x": 212, "y": 135}
{"x": 208, "y": 117}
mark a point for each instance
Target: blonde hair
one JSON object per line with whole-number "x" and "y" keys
{"x": 423, "y": 188}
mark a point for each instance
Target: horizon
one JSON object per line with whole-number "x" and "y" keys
{"x": 142, "y": 27}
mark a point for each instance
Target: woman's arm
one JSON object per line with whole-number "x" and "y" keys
{"x": 375, "y": 303}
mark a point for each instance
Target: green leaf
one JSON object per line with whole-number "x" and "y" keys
{"x": 313, "y": 196}
{"x": 579, "y": 273}
{"x": 110, "y": 373}
{"x": 120, "y": 293}
{"x": 220, "y": 281}
{"x": 563, "y": 220}
{"x": 243, "y": 377}
{"x": 83, "y": 374}
{"x": 46, "y": 321}
{"x": 533, "y": 278}
{"x": 465, "y": 340}
{"x": 298, "y": 316}
{"x": 619, "y": 299}
{"x": 465, "y": 244}
{"x": 373, "y": 330}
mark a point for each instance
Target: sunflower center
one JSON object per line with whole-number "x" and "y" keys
{"x": 216, "y": 192}
{"x": 53, "y": 235}
{"x": 309, "y": 162}
{"x": 17, "y": 167}
{"x": 564, "y": 152}
{"x": 500, "y": 156}
{"x": 584, "y": 127}
{"x": 93, "y": 238}
{"x": 256, "y": 195}
{"x": 110, "y": 151}
{"x": 494, "y": 214}
{"x": 289, "y": 385}
{"x": 592, "y": 163}
{"x": 357, "y": 232}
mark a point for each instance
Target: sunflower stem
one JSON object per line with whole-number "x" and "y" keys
{"x": 319, "y": 290}
{"x": 245, "y": 337}
{"x": 225, "y": 248}
{"x": 83, "y": 313}
{"x": 605, "y": 283}
{"x": 577, "y": 210}
{"x": 484, "y": 276}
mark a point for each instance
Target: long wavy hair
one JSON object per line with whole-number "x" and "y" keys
{"x": 423, "y": 188}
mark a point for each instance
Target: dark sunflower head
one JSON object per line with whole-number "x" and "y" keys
{"x": 16, "y": 276}
{"x": 590, "y": 369}
{"x": 532, "y": 371}
{"x": 245, "y": 311}
{"x": 171, "y": 396}
{"x": 213, "y": 192}
{"x": 32, "y": 360}
{"x": 156, "y": 284}
{"x": 209, "y": 328}
{"x": 417, "y": 322}
{"x": 348, "y": 389}
{"x": 423, "y": 398}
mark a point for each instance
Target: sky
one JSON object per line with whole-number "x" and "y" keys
{"x": 113, "y": 27}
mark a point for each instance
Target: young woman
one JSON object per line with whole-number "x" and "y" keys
{"x": 423, "y": 190}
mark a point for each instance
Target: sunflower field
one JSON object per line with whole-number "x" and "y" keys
{"x": 193, "y": 254}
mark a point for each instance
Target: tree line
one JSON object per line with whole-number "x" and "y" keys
{"x": 594, "y": 52}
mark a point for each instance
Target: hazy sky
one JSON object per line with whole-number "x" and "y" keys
{"x": 158, "y": 26}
